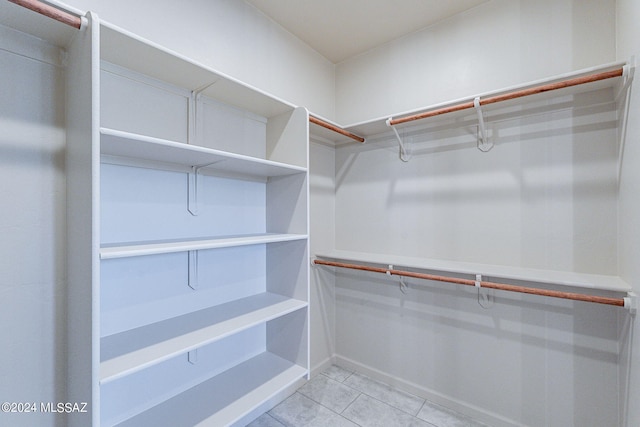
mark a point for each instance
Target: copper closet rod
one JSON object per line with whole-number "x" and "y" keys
{"x": 511, "y": 95}
{"x": 619, "y": 302}
{"x": 334, "y": 128}
{"x": 51, "y": 12}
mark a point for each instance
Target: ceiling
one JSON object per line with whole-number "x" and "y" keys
{"x": 340, "y": 29}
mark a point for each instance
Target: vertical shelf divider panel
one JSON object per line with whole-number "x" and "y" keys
{"x": 250, "y": 325}
{"x": 83, "y": 231}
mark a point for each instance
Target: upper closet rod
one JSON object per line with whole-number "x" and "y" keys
{"x": 511, "y": 95}
{"x": 51, "y": 12}
{"x": 334, "y": 128}
{"x": 619, "y": 302}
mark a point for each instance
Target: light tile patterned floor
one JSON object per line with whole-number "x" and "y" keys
{"x": 339, "y": 397}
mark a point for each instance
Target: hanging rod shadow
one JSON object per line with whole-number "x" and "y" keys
{"x": 51, "y": 12}
{"x": 628, "y": 302}
{"x": 335, "y": 128}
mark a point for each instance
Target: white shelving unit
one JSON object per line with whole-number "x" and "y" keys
{"x": 204, "y": 307}
{"x": 188, "y": 233}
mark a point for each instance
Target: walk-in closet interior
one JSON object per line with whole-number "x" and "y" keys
{"x": 300, "y": 213}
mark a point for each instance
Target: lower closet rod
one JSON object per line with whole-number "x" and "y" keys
{"x": 619, "y": 302}
{"x": 50, "y": 11}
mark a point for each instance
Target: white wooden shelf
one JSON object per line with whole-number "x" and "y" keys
{"x": 125, "y": 145}
{"x": 225, "y": 398}
{"x": 132, "y": 249}
{"x": 124, "y": 48}
{"x": 131, "y": 351}
{"x": 549, "y": 277}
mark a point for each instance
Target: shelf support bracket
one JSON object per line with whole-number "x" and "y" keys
{"x": 193, "y": 270}
{"x": 193, "y": 119}
{"x": 192, "y": 356}
{"x": 193, "y": 184}
{"x": 484, "y": 144}
{"x": 404, "y": 151}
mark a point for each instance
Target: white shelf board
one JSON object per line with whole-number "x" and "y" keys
{"x": 132, "y": 249}
{"x": 145, "y": 148}
{"x": 227, "y": 397}
{"x": 128, "y": 50}
{"x": 550, "y": 277}
{"x": 131, "y": 351}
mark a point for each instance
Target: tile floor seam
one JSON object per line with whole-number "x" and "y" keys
{"x": 395, "y": 407}
{"x": 421, "y": 406}
{"x": 347, "y": 407}
{"x": 274, "y": 418}
{"x": 325, "y": 406}
{"x": 342, "y": 383}
{"x": 336, "y": 380}
{"x": 424, "y": 401}
{"x": 351, "y": 421}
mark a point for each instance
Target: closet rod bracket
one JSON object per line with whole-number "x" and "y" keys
{"x": 631, "y": 303}
{"x": 628, "y": 70}
{"x": 623, "y": 99}
{"x": 404, "y": 150}
{"x": 484, "y": 144}
{"x": 486, "y": 296}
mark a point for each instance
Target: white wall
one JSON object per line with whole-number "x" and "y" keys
{"x": 628, "y": 43}
{"x": 231, "y": 37}
{"x": 495, "y": 45}
{"x": 33, "y": 228}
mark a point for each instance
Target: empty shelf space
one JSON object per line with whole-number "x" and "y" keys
{"x": 549, "y": 277}
{"x": 133, "y": 350}
{"x": 227, "y": 397}
{"x": 168, "y": 246}
{"x": 127, "y": 145}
